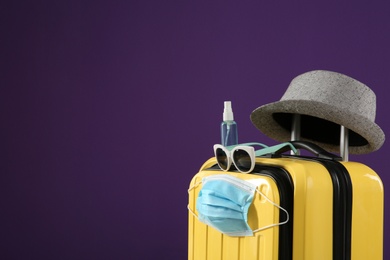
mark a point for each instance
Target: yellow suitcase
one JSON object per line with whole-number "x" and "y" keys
{"x": 335, "y": 211}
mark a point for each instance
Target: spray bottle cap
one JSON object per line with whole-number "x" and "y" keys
{"x": 227, "y": 111}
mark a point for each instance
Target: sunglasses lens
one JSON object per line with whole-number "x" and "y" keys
{"x": 221, "y": 158}
{"x": 242, "y": 160}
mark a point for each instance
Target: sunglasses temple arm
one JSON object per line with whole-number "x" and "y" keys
{"x": 275, "y": 148}
{"x": 231, "y": 147}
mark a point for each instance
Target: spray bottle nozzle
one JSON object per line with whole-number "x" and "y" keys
{"x": 227, "y": 111}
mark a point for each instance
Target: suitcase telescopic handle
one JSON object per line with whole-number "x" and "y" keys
{"x": 310, "y": 147}
{"x": 344, "y": 136}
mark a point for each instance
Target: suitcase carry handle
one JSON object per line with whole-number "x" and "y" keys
{"x": 310, "y": 147}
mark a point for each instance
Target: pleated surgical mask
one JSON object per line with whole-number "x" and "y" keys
{"x": 223, "y": 203}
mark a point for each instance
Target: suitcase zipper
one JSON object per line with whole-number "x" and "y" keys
{"x": 342, "y": 209}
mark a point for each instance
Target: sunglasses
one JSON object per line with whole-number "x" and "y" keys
{"x": 243, "y": 156}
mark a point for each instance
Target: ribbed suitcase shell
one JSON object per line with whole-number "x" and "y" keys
{"x": 367, "y": 212}
{"x": 312, "y": 215}
{"x": 208, "y": 243}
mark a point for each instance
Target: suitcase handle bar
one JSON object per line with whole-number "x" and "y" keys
{"x": 344, "y": 136}
{"x": 313, "y": 148}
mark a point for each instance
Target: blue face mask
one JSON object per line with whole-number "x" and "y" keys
{"x": 223, "y": 203}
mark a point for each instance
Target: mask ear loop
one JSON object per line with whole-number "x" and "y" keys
{"x": 276, "y": 205}
{"x": 190, "y": 189}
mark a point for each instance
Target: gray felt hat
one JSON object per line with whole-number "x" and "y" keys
{"x": 325, "y": 100}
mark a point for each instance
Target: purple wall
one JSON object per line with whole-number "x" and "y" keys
{"x": 108, "y": 108}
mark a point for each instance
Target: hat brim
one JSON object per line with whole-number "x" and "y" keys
{"x": 320, "y": 124}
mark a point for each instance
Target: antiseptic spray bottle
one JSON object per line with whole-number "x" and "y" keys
{"x": 229, "y": 134}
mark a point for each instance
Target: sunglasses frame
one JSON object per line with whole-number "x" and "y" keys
{"x": 230, "y": 150}
{"x": 250, "y": 150}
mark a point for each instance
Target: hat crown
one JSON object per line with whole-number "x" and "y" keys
{"x": 334, "y": 89}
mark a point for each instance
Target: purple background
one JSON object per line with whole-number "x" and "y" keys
{"x": 108, "y": 108}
